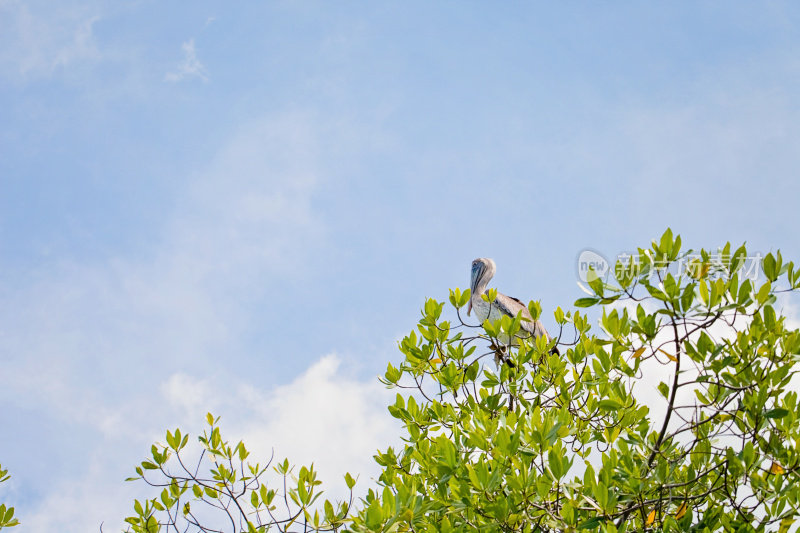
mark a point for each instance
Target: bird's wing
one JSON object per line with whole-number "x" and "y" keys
{"x": 511, "y": 306}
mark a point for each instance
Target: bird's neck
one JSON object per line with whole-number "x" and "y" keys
{"x": 481, "y": 288}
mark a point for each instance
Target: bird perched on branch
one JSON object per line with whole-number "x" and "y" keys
{"x": 483, "y": 270}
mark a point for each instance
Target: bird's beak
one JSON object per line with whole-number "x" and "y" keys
{"x": 477, "y": 271}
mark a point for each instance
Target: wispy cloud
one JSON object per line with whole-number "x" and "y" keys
{"x": 38, "y": 42}
{"x": 92, "y": 346}
{"x": 189, "y": 67}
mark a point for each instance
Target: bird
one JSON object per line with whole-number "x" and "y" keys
{"x": 483, "y": 270}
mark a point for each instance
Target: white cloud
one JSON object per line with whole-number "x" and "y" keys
{"x": 240, "y": 226}
{"x": 37, "y": 41}
{"x": 190, "y": 396}
{"x": 788, "y": 307}
{"x": 89, "y": 346}
{"x": 82, "y": 503}
{"x": 189, "y": 67}
{"x": 660, "y": 369}
{"x": 729, "y": 130}
{"x": 324, "y": 417}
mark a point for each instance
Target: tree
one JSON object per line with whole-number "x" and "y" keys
{"x": 222, "y": 491}
{"x": 567, "y": 442}
{"x": 6, "y": 513}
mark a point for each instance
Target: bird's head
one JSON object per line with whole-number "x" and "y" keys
{"x": 482, "y": 271}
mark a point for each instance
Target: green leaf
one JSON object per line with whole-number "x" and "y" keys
{"x": 586, "y": 302}
{"x": 737, "y": 260}
{"x": 492, "y": 328}
{"x": 665, "y": 245}
{"x": 776, "y": 413}
{"x": 490, "y": 295}
{"x": 459, "y": 299}
{"x": 595, "y": 282}
{"x": 465, "y": 296}
{"x": 786, "y": 523}
{"x": 763, "y": 292}
{"x": 554, "y": 461}
{"x": 393, "y": 374}
{"x": 610, "y": 405}
{"x": 591, "y": 523}
{"x": 535, "y": 309}
{"x": 374, "y": 517}
{"x": 769, "y": 267}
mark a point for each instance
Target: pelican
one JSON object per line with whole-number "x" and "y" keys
{"x": 483, "y": 270}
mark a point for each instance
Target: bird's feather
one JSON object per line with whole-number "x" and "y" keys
{"x": 483, "y": 270}
{"x": 511, "y": 306}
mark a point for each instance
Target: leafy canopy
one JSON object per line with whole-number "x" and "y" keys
{"x": 6, "y": 513}
{"x": 509, "y": 436}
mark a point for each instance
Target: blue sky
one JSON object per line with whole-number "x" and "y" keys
{"x": 242, "y": 208}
